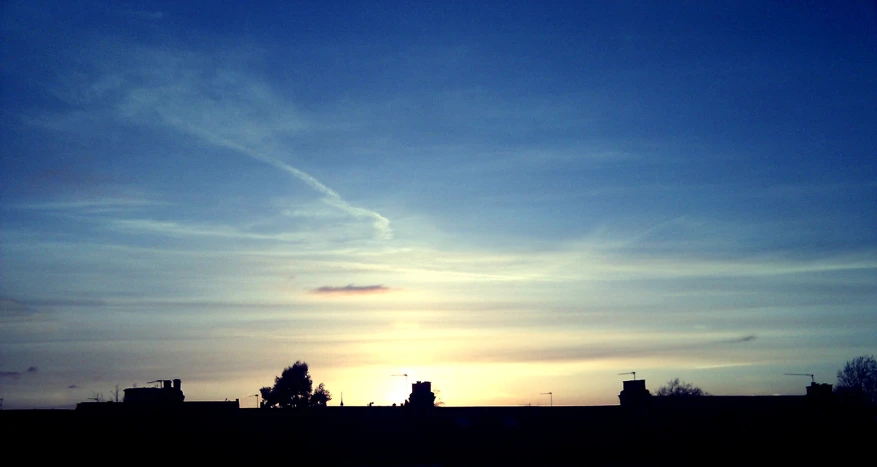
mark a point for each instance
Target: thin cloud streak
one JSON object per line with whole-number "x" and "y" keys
{"x": 742, "y": 339}
{"x": 174, "y": 229}
{"x": 580, "y": 353}
{"x": 96, "y": 205}
{"x": 17, "y": 374}
{"x": 157, "y": 97}
{"x": 350, "y": 289}
{"x": 331, "y": 197}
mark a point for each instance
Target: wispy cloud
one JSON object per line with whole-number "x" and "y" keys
{"x": 749, "y": 338}
{"x": 18, "y": 311}
{"x": 312, "y": 235}
{"x": 330, "y": 196}
{"x": 13, "y": 307}
{"x": 18, "y": 374}
{"x": 90, "y": 205}
{"x": 350, "y": 289}
{"x": 596, "y": 352}
{"x": 170, "y": 88}
{"x": 722, "y": 365}
{"x": 175, "y": 229}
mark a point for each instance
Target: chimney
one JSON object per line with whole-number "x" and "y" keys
{"x": 634, "y": 393}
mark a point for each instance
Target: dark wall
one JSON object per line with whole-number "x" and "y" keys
{"x": 456, "y": 436}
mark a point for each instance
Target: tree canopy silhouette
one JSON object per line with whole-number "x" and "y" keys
{"x": 859, "y": 378}
{"x": 674, "y": 387}
{"x": 320, "y": 397}
{"x": 293, "y": 388}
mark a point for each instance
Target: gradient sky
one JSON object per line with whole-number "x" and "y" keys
{"x": 504, "y": 198}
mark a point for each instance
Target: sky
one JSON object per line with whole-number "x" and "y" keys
{"x": 505, "y": 198}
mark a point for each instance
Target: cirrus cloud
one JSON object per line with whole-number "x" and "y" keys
{"x": 350, "y": 289}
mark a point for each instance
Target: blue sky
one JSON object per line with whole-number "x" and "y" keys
{"x": 505, "y": 198}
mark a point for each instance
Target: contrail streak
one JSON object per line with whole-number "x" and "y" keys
{"x": 381, "y": 223}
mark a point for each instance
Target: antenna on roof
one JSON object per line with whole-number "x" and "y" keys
{"x": 629, "y": 373}
{"x": 812, "y": 378}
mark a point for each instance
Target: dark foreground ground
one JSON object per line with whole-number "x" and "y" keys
{"x": 450, "y": 436}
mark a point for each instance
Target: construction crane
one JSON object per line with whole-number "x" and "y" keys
{"x": 407, "y": 387}
{"x": 629, "y": 373}
{"x": 551, "y": 394}
{"x": 406, "y": 378}
{"x": 812, "y": 378}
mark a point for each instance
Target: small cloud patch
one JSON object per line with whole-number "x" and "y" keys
{"x": 17, "y": 374}
{"x": 350, "y": 289}
{"x": 748, "y": 338}
{"x": 14, "y": 309}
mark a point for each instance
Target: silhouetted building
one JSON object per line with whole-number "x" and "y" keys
{"x": 820, "y": 391}
{"x": 168, "y": 393}
{"x": 818, "y": 394}
{"x": 421, "y": 395}
{"x": 634, "y": 393}
{"x": 673, "y": 429}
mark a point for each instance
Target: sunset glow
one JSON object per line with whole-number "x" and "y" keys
{"x": 502, "y": 198}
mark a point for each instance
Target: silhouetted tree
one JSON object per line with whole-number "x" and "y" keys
{"x": 859, "y": 378}
{"x": 438, "y": 399}
{"x": 674, "y": 387}
{"x": 293, "y": 389}
{"x": 116, "y": 394}
{"x": 321, "y": 396}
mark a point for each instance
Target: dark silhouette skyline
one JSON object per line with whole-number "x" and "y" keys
{"x": 643, "y": 430}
